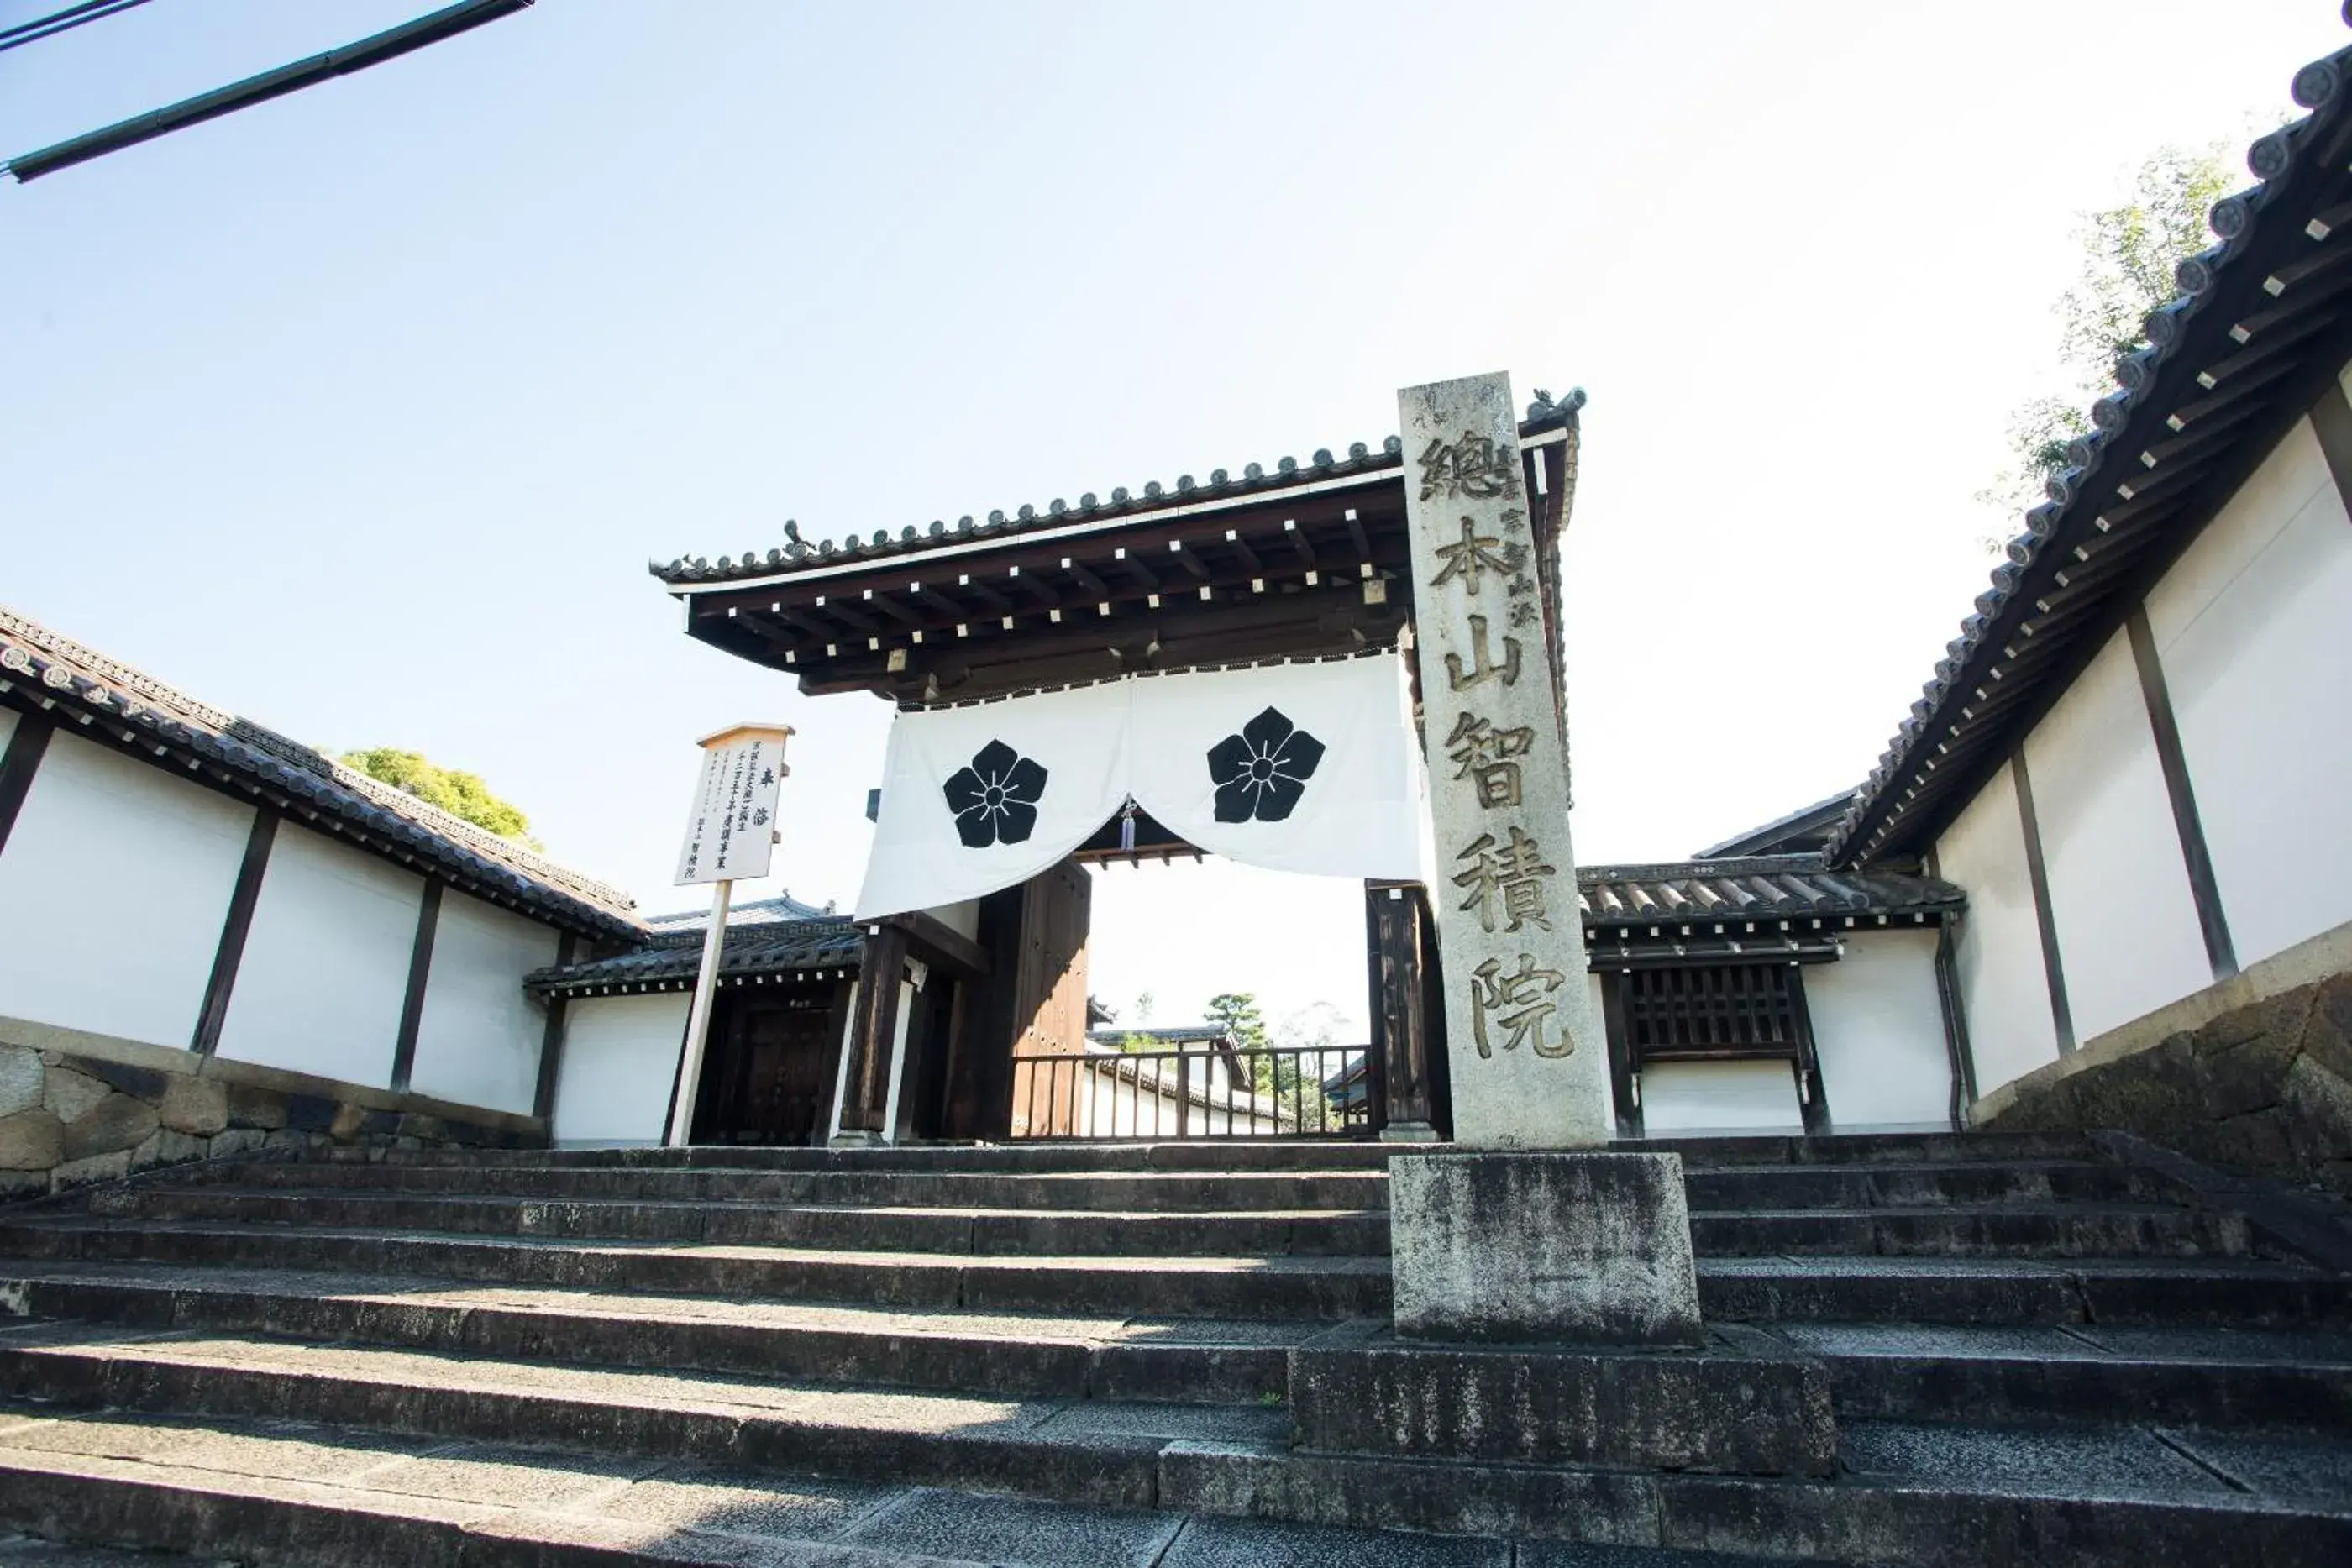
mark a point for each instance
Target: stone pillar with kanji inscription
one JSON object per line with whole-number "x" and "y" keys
{"x": 1530, "y": 1063}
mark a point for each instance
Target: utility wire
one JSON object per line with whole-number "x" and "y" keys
{"x": 445, "y": 23}
{"x": 63, "y": 21}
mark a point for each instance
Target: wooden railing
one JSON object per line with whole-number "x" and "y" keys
{"x": 1271, "y": 1091}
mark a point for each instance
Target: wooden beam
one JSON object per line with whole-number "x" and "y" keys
{"x": 1395, "y": 935}
{"x": 412, "y": 1003}
{"x": 1139, "y": 569}
{"x": 2037, "y": 876}
{"x": 941, "y": 945}
{"x": 848, "y": 614}
{"x": 896, "y": 610}
{"x": 1299, "y": 542}
{"x": 1312, "y": 623}
{"x": 229, "y": 952}
{"x": 2204, "y": 889}
{"x": 26, "y": 745}
{"x": 550, "y": 1043}
{"x": 808, "y": 622}
{"x": 992, "y": 600}
{"x": 874, "y": 1030}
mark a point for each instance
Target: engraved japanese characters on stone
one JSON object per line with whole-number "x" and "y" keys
{"x": 995, "y": 799}
{"x": 1483, "y": 666}
{"x": 1517, "y": 1001}
{"x": 1468, "y": 561}
{"x": 1512, "y": 874}
{"x": 1475, "y": 466}
{"x": 1486, "y": 758}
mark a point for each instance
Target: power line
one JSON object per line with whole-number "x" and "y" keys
{"x": 370, "y": 51}
{"x": 63, "y": 21}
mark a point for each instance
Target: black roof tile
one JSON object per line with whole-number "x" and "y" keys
{"x": 797, "y": 554}
{"x": 41, "y": 670}
{"x": 2145, "y": 478}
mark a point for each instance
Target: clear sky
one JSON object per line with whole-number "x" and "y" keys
{"x": 361, "y": 411}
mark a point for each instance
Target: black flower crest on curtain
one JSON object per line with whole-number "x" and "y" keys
{"x": 995, "y": 799}
{"x": 1264, "y": 770}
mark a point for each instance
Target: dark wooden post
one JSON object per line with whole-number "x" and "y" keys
{"x": 871, "y": 1034}
{"x": 1396, "y": 937}
{"x": 551, "y": 1042}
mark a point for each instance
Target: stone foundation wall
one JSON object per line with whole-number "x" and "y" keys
{"x": 77, "y": 1108}
{"x": 2264, "y": 1086}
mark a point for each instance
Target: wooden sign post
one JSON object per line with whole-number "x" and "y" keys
{"x": 1529, "y": 1062}
{"x": 732, "y": 834}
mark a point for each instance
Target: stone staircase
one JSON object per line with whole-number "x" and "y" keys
{"x": 1949, "y": 1350}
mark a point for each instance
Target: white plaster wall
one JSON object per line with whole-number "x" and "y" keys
{"x": 2128, "y": 940}
{"x": 1720, "y": 1097}
{"x": 1878, "y": 1032}
{"x": 620, "y": 1058}
{"x": 1998, "y": 958}
{"x": 326, "y": 962}
{"x": 964, "y": 918}
{"x": 477, "y": 1040}
{"x": 2254, "y": 626}
{"x": 7, "y": 726}
{"x": 116, "y": 882}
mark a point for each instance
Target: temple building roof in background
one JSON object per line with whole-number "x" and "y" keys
{"x": 1805, "y": 831}
{"x": 1763, "y": 889}
{"x": 769, "y": 940}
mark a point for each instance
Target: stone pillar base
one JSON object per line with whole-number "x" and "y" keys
{"x": 1409, "y": 1132}
{"x": 857, "y": 1139}
{"x": 1589, "y": 1249}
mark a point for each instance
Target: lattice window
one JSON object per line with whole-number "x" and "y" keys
{"x": 1715, "y": 1010}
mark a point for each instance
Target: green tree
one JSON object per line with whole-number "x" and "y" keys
{"x": 458, "y": 793}
{"x": 1236, "y": 1013}
{"x": 2129, "y": 253}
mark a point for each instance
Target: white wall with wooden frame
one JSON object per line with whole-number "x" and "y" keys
{"x": 2242, "y": 650}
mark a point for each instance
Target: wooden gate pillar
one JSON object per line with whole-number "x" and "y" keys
{"x": 872, "y": 1031}
{"x": 1401, "y": 951}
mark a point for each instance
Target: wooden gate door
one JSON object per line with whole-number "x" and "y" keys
{"x": 768, "y": 1084}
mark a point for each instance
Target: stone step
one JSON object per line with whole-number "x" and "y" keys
{"x": 1911, "y": 1185}
{"x": 1216, "y": 1286}
{"x": 2078, "y": 1371}
{"x": 1098, "y": 1452}
{"x": 1882, "y": 1290}
{"x": 1138, "y": 1192}
{"x": 1995, "y": 1292}
{"x": 30, "y": 1552}
{"x": 1811, "y": 1185}
{"x": 2007, "y": 1230}
{"x": 2020, "y": 1228}
{"x": 1059, "y": 1356}
{"x": 882, "y": 1228}
{"x": 287, "y": 1494}
{"x": 2090, "y": 1373}
{"x": 1955, "y": 1497}
{"x": 1202, "y": 1155}
{"x": 1264, "y": 1153}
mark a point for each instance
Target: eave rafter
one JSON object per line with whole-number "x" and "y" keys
{"x": 1134, "y": 595}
